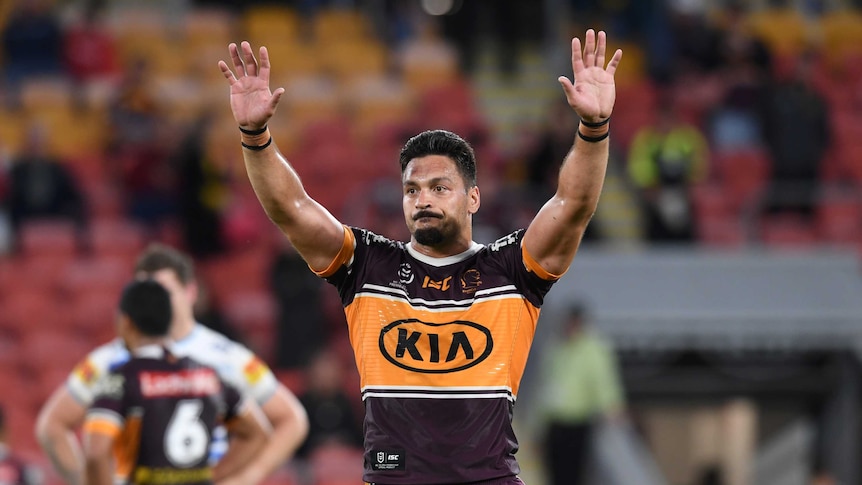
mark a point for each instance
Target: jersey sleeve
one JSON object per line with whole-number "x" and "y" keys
{"x": 252, "y": 376}
{"x": 83, "y": 379}
{"x": 533, "y": 281}
{"x": 107, "y": 413}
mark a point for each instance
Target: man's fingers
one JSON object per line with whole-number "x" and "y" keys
{"x": 568, "y": 87}
{"x": 237, "y": 62}
{"x": 264, "y": 64}
{"x": 276, "y": 97}
{"x": 577, "y": 60}
{"x": 615, "y": 61}
{"x": 600, "y": 49}
{"x": 248, "y": 59}
{"x": 590, "y": 48}
{"x": 228, "y": 74}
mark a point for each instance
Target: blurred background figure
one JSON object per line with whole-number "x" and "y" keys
{"x": 665, "y": 160}
{"x": 580, "y": 388}
{"x": 41, "y": 187}
{"x": 32, "y": 45}
{"x": 13, "y": 469}
{"x": 331, "y": 413}
{"x": 301, "y": 327}
{"x": 797, "y": 132}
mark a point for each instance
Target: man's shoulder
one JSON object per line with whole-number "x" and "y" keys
{"x": 108, "y": 355}
{"x": 209, "y": 347}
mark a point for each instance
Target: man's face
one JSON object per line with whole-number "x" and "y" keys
{"x": 437, "y": 204}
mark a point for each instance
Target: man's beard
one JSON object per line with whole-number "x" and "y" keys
{"x": 430, "y": 236}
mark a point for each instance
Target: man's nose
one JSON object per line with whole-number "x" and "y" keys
{"x": 423, "y": 200}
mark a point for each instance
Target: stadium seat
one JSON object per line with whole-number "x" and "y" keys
{"x": 116, "y": 238}
{"x": 293, "y": 379}
{"x": 350, "y": 59}
{"x": 93, "y": 314}
{"x": 340, "y": 24}
{"x": 96, "y": 274}
{"x": 840, "y": 220}
{"x": 744, "y": 174}
{"x": 787, "y": 231}
{"x": 27, "y": 309}
{"x": 46, "y": 237}
{"x": 264, "y": 23}
{"x": 336, "y": 464}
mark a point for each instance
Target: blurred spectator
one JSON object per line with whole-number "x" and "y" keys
{"x": 797, "y": 134}
{"x": 32, "y": 43}
{"x": 301, "y": 325}
{"x": 664, "y": 161}
{"x": 208, "y": 312}
{"x": 580, "y": 387}
{"x": 694, "y": 39}
{"x": 543, "y": 158}
{"x": 331, "y": 413}
{"x": 508, "y": 24}
{"x": 205, "y": 192}
{"x": 744, "y": 68}
{"x": 14, "y": 470}
{"x": 41, "y": 187}
{"x": 138, "y": 148}
{"x": 89, "y": 50}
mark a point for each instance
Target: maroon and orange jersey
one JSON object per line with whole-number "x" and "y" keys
{"x": 440, "y": 345}
{"x": 162, "y": 410}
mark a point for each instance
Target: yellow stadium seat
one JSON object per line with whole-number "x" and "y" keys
{"x": 340, "y": 24}
{"x": 351, "y": 59}
{"x": 264, "y": 24}
{"x": 785, "y": 31}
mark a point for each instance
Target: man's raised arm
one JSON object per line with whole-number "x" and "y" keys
{"x": 313, "y": 231}
{"x": 555, "y": 234}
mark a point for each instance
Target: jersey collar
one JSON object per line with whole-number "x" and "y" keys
{"x": 473, "y": 249}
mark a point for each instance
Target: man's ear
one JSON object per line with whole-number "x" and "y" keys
{"x": 475, "y": 200}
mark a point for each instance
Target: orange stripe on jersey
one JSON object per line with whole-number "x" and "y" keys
{"x": 534, "y": 266}
{"x": 341, "y": 258}
{"x": 102, "y": 426}
{"x": 481, "y": 346}
{"x": 126, "y": 447}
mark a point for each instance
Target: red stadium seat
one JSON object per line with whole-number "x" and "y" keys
{"x": 840, "y": 221}
{"x": 336, "y": 464}
{"x": 744, "y": 174}
{"x": 787, "y": 231}
{"x": 48, "y": 237}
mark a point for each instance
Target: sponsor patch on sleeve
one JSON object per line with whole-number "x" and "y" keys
{"x": 254, "y": 370}
{"x": 86, "y": 372}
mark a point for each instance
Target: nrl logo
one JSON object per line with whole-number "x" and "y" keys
{"x": 381, "y": 457}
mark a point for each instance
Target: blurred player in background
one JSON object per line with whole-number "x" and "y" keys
{"x": 64, "y": 412}
{"x": 159, "y": 411}
{"x": 13, "y": 469}
{"x": 441, "y": 326}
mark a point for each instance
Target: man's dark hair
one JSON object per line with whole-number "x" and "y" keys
{"x": 148, "y": 306}
{"x": 446, "y": 143}
{"x": 157, "y": 257}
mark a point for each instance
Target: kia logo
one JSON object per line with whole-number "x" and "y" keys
{"x": 435, "y": 348}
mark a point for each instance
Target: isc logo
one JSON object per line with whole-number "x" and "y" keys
{"x": 435, "y": 347}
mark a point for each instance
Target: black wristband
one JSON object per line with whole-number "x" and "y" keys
{"x": 257, "y": 148}
{"x": 590, "y": 124}
{"x": 253, "y": 132}
{"x": 594, "y": 139}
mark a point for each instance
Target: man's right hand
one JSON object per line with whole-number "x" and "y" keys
{"x": 251, "y": 101}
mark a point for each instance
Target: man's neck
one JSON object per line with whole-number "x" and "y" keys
{"x": 182, "y": 328}
{"x": 443, "y": 251}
